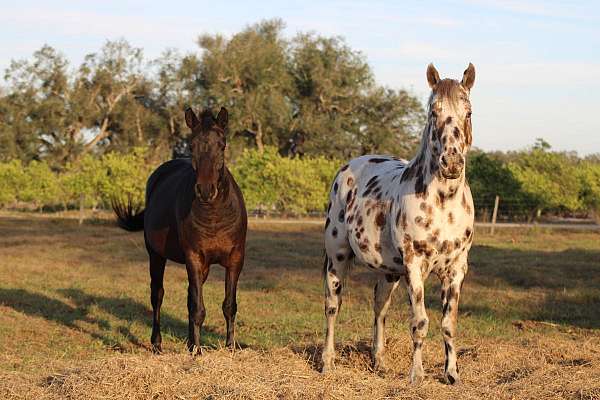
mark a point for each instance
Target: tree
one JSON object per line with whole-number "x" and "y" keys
{"x": 339, "y": 106}
{"x": 248, "y": 75}
{"x": 39, "y": 122}
{"x": 390, "y": 122}
{"x": 106, "y": 86}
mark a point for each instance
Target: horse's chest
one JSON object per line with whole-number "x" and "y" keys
{"x": 213, "y": 240}
{"x": 436, "y": 244}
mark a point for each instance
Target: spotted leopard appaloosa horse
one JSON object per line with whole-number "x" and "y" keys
{"x": 195, "y": 215}
{"x": 407, "y": 219}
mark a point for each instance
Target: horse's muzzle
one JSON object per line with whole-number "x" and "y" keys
{"x": 451, "y": 166}
{"x": 207, "y": 192}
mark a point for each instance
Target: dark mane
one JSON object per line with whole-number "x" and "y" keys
{"x": 207, "y": 119}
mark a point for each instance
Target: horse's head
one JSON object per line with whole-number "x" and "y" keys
{"x": 207, "y": 145}
{"x": 449, "y": 114}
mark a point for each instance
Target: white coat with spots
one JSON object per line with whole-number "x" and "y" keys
{"x": 407, "y": 219}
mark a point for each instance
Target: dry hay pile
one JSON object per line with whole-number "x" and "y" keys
{"x": 530, "y": 367}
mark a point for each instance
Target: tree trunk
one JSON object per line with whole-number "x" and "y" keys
{"x": 101, "y": 135}
{"x": 138, "y": 126}
{"x": 81, "y": 208}
{"x": 259, "y": 137}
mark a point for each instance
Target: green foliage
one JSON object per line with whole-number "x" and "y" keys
{"x": 86, "y": 178}
{"x": 549, "y": 178}
{"x": 12, "y": 177}
{"x": 588, "y": 174}
{"x": 535, "y": 180}
{"x": 489, "y": 176}
{"x": 40, "y": 185}
{"x": 274, "y": 183}
{"x": 126, "y": 176}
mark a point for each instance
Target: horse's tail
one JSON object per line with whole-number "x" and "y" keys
{"x": 129, "y": 216}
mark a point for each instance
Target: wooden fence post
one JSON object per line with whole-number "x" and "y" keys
{"x": 81, "y": 208}
{"x": 495, "y": 214}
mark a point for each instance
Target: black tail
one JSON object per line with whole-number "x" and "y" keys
{"x": 129, "y": 216}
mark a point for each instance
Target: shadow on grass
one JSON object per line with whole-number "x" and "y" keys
{"x": 355, "y": 353}
{"x": 38, "y": 305}
{"x": 566, "y": 283}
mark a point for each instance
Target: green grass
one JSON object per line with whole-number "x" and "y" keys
{"x": 72, "y": 293}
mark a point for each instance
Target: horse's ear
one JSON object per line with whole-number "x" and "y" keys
{"x": 469, "y": 77}
{"x": 190, "y": 118}
{"x": 223, "y": 118}
{"x": 432, "y": 76}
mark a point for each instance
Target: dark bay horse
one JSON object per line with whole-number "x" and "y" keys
{"x": 195, "y": 215}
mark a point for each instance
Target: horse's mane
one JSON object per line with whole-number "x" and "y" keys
{"x": 451, "y": 90}
{"x": 207, "y": 118}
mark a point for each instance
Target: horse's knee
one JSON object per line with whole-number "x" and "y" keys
{"x": 419, "y": 328}
{"x": 197, "y": 316}
{"x": 448, "y": 329}
{"x": 229, "y": 308}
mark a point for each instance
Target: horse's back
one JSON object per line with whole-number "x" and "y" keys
{"x": 172, "y": 170}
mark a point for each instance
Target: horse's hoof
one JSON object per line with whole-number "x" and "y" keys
{"x": 327, "y": 368}
{"x": 195, "y": 350}
{"x": 416, "y": 377}
{"x": 157, "y": 348}
{"x": 328, "y": 365}
{"x": 451, "y": 378}
{"x": 379, "y": 364}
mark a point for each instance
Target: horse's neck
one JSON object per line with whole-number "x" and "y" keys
{"x": 221, "y": 210}
{"x": 425, "y": 163}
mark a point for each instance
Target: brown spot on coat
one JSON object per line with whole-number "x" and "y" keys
{"x": 380, "y": 219}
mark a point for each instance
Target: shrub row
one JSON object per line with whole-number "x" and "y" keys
{"x": 528, "y": 183}
{"x": 270, "y": 182}
{"x": 93, "y": 181}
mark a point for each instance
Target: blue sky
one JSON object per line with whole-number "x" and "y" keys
{"x": 538, "y": 62}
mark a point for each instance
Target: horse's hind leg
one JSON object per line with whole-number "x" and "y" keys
{"x": 384, "y": 288}
{"x": 337, "y": 261}
{"x": 157, "y": 272}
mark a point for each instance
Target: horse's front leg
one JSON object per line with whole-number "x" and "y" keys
{"x": 234, "y": 267}
{"x": 451, "y": 287}
{"x": 419, "y": 323}
{"x": 197, "y": 270}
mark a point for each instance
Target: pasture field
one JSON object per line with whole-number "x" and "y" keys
{"x": 75, "y": 320}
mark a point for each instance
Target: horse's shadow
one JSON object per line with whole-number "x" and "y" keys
{"x": 357, "y": 354}
{"x": 79, "y": 316}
